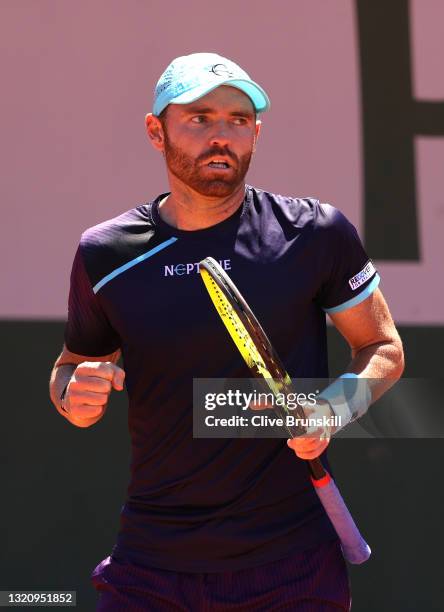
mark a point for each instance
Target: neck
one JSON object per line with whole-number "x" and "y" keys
{"x": 188, "y": 210}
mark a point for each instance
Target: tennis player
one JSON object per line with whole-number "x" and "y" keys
{"x": 216, "y": 524}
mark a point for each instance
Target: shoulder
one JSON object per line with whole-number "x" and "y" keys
{"x": 328, "y": 218}
{"x": 108, "y": 245}
{"x": 112, "y": 233}
{"x": 325, "y": 226}
{"x": 332, "y": 229}
{"x": 302, "y": 211}
{"x": 297, "y": 211}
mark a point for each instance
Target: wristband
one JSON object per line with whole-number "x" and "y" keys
{"x": 348, "y": 400}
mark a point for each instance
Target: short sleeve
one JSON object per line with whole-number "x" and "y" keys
{"x": 348, "y": 274}
{"x": 88, "y": 330}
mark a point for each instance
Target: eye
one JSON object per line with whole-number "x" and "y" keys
{"x": 198, "y": 119}
{"x": 240, "y": 120}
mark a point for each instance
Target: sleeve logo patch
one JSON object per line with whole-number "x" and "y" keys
{"x": 361, "y": 277}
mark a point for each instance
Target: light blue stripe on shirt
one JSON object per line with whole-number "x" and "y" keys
{"x": 358, "y": 298}
{"x": 132, "y": 263}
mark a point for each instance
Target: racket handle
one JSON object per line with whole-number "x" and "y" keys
{"x": 354, "y": 547}
{"x": 316, "y": 468}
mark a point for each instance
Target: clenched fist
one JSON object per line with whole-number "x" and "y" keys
{"x": 309, "y": 448}
{"x": 316, "y": 440}
{"x": 89, "y": 388}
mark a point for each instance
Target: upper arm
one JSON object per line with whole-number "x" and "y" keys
{"x": 88, "y": 331}
{"x": 367, "y": 323}
{"x": 349, "y": 291}
{"x": 66, "y": 357}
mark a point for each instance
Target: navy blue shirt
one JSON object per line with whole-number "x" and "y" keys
{"x": 205, "y": 505}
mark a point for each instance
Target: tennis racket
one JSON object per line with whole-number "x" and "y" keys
{"x": 264, "y": 363}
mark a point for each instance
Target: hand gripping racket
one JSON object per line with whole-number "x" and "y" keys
{"x": 264, "y": 363}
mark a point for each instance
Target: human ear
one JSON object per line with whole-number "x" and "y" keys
{"x": 154, "y": 130}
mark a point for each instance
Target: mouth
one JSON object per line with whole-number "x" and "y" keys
{"x": 218, "y": 164}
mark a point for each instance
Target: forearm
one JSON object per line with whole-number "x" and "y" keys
{"x": 381, "y": 364}
{"x": 377, "y": 363}
{"x": 375, "y": 367}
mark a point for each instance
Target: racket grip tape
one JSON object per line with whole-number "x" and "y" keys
{"x": 354, "y": 547}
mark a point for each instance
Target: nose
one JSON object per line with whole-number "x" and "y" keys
{"x": 219, "y": 134}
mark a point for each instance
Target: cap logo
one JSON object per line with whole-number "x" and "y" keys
{"x": 221, "y": 70}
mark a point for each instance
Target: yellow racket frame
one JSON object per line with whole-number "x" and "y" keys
{"x": 241, "y": 337}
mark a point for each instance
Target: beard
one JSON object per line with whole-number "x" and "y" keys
{"x": 197, "y": 176}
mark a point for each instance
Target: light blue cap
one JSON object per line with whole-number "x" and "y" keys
{"x": 190, "y": 77}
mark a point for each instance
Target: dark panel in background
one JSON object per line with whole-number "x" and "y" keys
{"x": 391, "y": 119}
{"x": 62, "y": 487}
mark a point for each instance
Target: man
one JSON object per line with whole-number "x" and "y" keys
{"x": 214, "y": 524}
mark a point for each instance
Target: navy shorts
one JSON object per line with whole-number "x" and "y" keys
{"x": 310, "y": 581}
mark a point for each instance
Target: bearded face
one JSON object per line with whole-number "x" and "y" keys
{"x": 218, "y": 171}
{"x": 208, "y": 143}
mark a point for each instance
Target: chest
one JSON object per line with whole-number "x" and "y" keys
{"x": 161, "y": 306}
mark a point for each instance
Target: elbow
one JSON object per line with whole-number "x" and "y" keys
{"x": 398, "y": 359}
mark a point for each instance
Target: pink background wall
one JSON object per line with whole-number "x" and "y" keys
{"x": 77, "y": 80}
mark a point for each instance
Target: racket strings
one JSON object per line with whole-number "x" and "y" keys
{"x": 236, "y": 328}
{"x": 234, "y": 298}
{"x": 279, "y": 371}
{"x": 278, "y": 384}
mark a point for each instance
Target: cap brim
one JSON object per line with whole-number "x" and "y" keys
{"x": 257, "y": 95}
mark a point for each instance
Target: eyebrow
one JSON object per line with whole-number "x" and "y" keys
{"x": 206, "y": 110}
